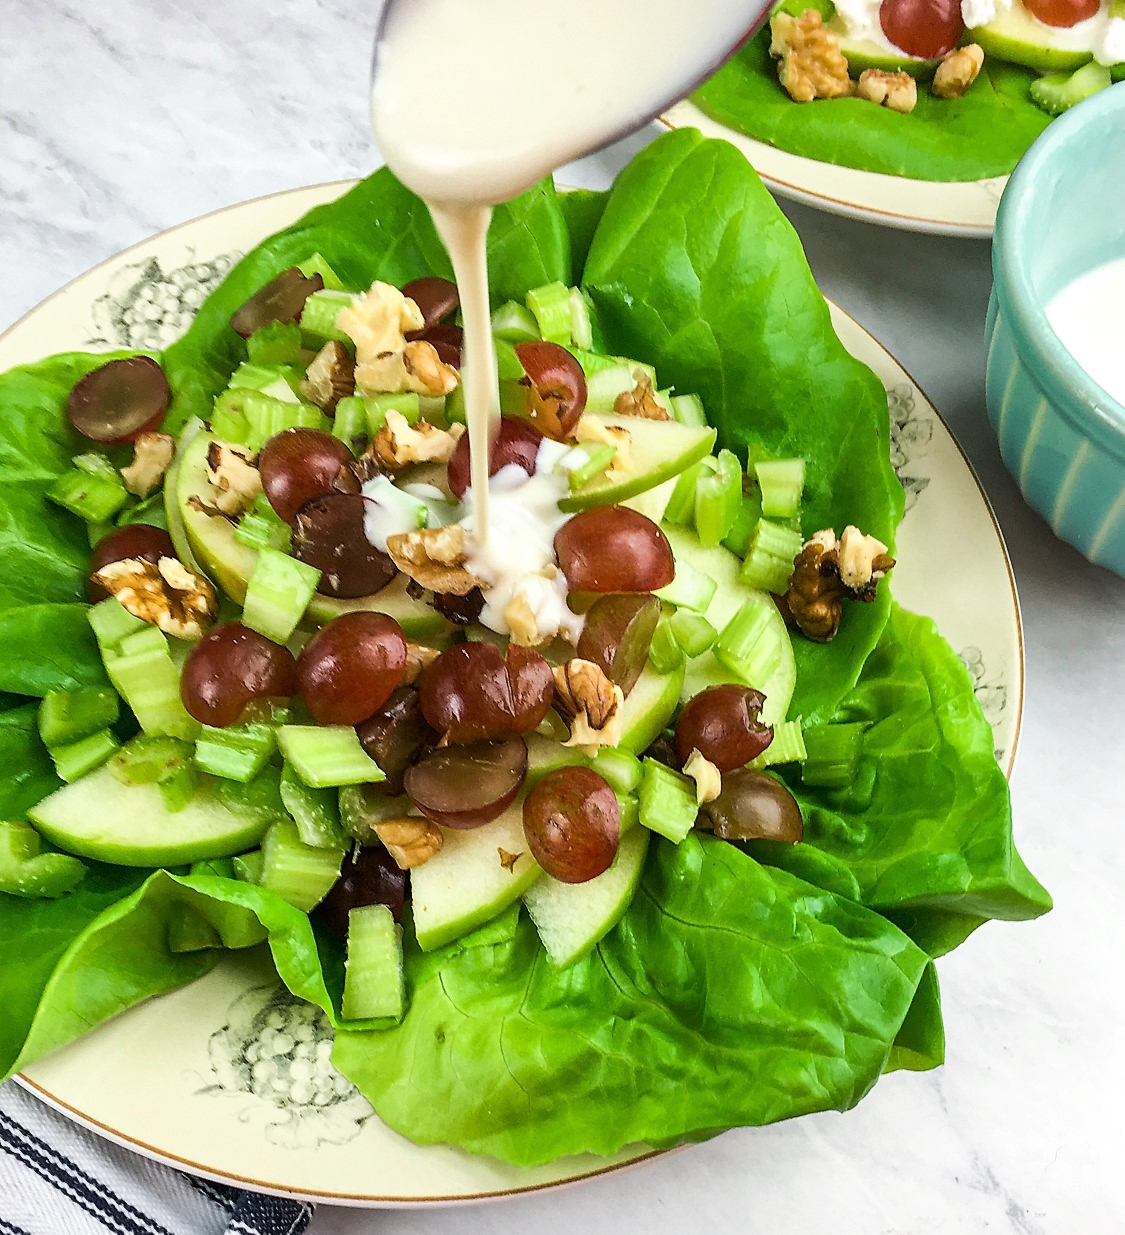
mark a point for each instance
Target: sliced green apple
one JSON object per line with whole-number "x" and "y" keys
{"x": 98, "y": 817}
{"x": 658, "y": 450}
{"x": 730, "y": 595}
{"x": 211, "y": 539}
{"x": 1017, "y": 36}
{"x": 864, "y": 54}
{"x": 474, "y": 876}
{"x": 572, "y": 918}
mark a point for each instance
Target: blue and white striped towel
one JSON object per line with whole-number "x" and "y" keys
{"x": 58, "y": 1179}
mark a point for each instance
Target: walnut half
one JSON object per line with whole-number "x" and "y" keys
{"x": 410, "y": 841}
{"x": 590, "y": 703}
{"x": 826, "y": 571}
{"x": 165, "y": 594}
{"x": 434, "y": 557}
{"x": 958, "y": 71}
{"x": 811, "y": 65}
{"x": 897, "y": 91}
{"x": 152, "y": 456}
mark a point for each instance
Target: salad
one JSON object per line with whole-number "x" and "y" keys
{"x": 671, "y": 868}
{"x": 941, "y": 91}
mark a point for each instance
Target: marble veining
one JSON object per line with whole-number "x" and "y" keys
{"x": 118, "y": 121}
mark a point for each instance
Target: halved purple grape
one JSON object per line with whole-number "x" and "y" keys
{"x": 371, "y": 877}
{"x": 328, "y": 533}
{"x": 118, "y": 401}
{"x": 467, "y": 786}
{"x": 281, "y": 300}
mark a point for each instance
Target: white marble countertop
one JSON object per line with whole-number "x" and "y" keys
{"x": 118, "y": 121}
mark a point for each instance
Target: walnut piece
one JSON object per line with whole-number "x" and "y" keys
{"x": 898, "y": 91}
{"x": 592, "y": 428}
{"x": 957, "y": 71}
{"x": 418, "y": 657}
{"x": 416, "y": 368}
{"x": 152, "y": 456}
{"x": 165, "y": 594}
{"x": 811, "y": 65}
{"x": 330, "y": 377}
{"x": 641, "y": 400}
{"x": 826, "y": 571}
{"x": 435, "y": 558}
{"x": 399, "y": 443}
{"x": 590, "y": 703}
{"x": 538, "y": 612}
{"x": 410, "y": 841}
{"x": 234, "y": 479}
{"x": 708, "y": 779}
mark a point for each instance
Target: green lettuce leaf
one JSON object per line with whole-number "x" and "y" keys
{"x": 694, "y": 269}
{"x": 48, "y": 647}
{"x": 925, "y": 831}
{"x": 729, "y": 994}
{"x": 984, "y": 133}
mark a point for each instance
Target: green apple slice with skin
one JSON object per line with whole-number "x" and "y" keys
{"x": 466, "y": 883}
{"x": 230, "y": 564}
{"x": 572, "y": 918}
{"x": 864, "y": 54}
{"x": 98, "y": 817}
{"x": 658, "y": 450}
{"x": 730, "y": 595}
{"x": 1017, "y": 36}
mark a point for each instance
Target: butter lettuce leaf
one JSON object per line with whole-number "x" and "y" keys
{"x": 984, "y": 133}
{"x": 729, "y": 994}
{"x": 694, "y": 269}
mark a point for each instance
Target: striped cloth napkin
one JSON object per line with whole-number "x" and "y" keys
{"x": 58, "y": 1179}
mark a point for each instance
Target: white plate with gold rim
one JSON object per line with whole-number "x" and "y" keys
{"x": 941, "y": 208}
{"x": 229, "y": 1078}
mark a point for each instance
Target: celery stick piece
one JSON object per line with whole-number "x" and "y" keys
{"x": 350, "y": 421}
{"x": 317, "y": 265}
{"x": 298, "y": 873}
{"x": 318, "y": 317}
{"x": 94, "y": 497}
{"x": 581, "y": 323}
{"x": 692, "y": 631}
{"x": 278, "y": 594}
{"x": 111, "y": 622}
{"x": 66, "y": 716}
{"x": 550, "y": 305}
{"x": 515, "y": 323}
{"x": 664, "y": 653}
{"x": 717, "y": 499}
{"x": 667, "y": 801}
{"x": 619, "y": 768}
{"x": 26, "y": 872}
{"x": 373, "y": 978}
{"x": 78, "y": 758}
{"x": 690, "y": 589}
{"x": 749, "y": 644}
{"x": 324, "y": 756}
{"x": 275, "y": 343}
{"x": 782, "y": 481}
{"x": 316, "y": 812}
{"x": 787, "y": 746}
{"x": 769, "y": 557}
{"x": 238, "y": 752}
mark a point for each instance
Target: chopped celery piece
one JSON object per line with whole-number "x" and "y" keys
{"x": 599, "y": 455}
{"x": 262, "y": 528}
{"x": 252, "y": 417}
{"x": 667, "y": 801}
{"x": 248, "y": 866}
{"x": 317, "y": 265}
{"x": 258, "y": 376}
{"x": 508, "y": 366}
{"x": 141, "y": 668}
{"x": 690, "y": 589}
{"x": 619, "y": 768}
{"x": 26, "y": 872}
{"x": 737, "y": 540}
{"x": 594, "y": 362}
{"x": 324, "y": 756}
{"x": 91, "y": 496}
{"x": 1058, "y": 92}
{"x": 316, "y": 812}
{"x": 278, "y": 594}
{"x": 111, "y": 622}
{"x": 717, "y": 499}
{"x": 363, "y": 805}
{"x": 769, "y": 557}
{"x": 688, "y": 410}
{"x": 228, "y": 421}
{"x": 275, "y": 343}
{"x": 782, "y": 482}
{"x": 373, "y": 979}
{"x": 407, "y": 403}
{"x": 281, "y": 390}
{"x": 681, "y": 505}
{"x": 550, "y": 305}
{"x": 832, "y": 754}
{"x": 238, "y": 752}
{"x": 787, "y": 746}
{"x": 94, "y": 464}
{"x": 455, "y": 403}
{"x": 692, "y": 631}
{"x": 189, "y": 930}
{"x": 581, "y": 324}
{"x": 178, "y": 790}
{"x": 258, "y": 799}
{"x": 77, "y": 758}
{"x": 515, "y": 323}
{"x": 350, "y": 422}
{"x": 664, "y": 653}
{"x": 65, "y": 716}
{"x": 318, "y": 317}
{"x": 298, "y": 873}
{"x": 749, "y": 644}
{"x": 150, "y": 759}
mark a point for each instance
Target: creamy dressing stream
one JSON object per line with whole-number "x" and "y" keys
{"x": 1088, "y": 315}
{"x": 473, "y": 103}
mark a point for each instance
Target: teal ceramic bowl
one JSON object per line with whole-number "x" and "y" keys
{"x": 1061, "y": 435}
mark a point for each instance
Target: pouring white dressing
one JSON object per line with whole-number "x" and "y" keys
{"x": 472, "y": 104}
